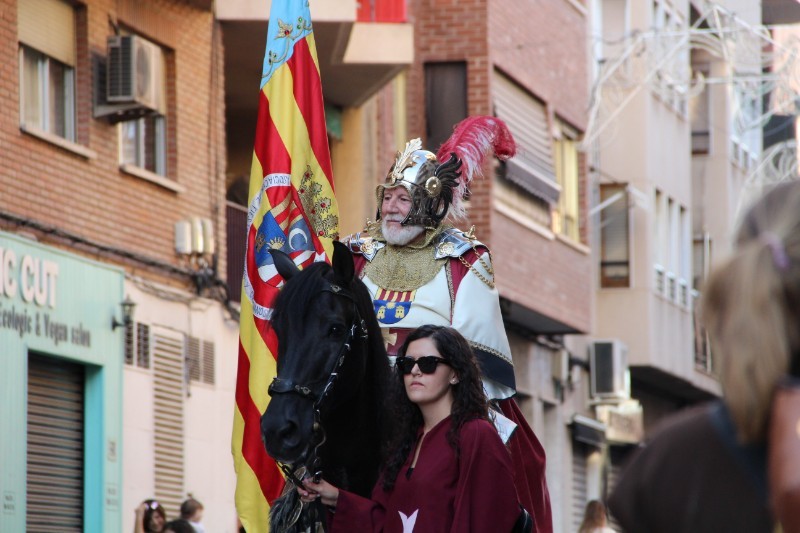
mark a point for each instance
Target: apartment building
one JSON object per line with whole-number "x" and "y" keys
{"x": 679, "y": 102}
{"x": 525, "y": 62}
{"x": 119, "y": 351}
{"x": 114, "y": 244}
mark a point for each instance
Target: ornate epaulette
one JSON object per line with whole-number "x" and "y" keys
{"x": 362, "y": 244}
{"x": 453, "y": 242}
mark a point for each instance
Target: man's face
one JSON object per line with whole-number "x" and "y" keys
{"x": 395, "y": 205}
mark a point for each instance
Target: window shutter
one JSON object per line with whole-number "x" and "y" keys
{"x": 200, "y": 360}
{"x": 130, "y": 343}
{"x": 208, "y": 362}
{"x": 532, "y": 168}
{"x": 168, "y": 387}
{"x": 579, "y": 483}
{"x": 193, "y": 358}
{"x": 55, "y": 445}
{"x": 49, "y": 27}
{"x": 143, "y": 345}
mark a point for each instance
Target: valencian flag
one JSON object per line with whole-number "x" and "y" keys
{"x": 290, "y": 207}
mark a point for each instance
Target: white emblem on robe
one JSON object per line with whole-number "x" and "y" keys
{"x": 408, "y": 521}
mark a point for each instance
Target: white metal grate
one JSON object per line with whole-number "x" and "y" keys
{"x": 168, "y": 387}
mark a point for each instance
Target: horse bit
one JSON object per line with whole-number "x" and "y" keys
{"x": 357, "y": 329}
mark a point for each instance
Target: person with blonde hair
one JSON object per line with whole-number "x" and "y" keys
{"x": 706, "y": 469}
{"x": 594, "y": 519}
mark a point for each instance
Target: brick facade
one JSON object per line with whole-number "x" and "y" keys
{"x": 548, "y": 56}
{"x": 90, "y": 196}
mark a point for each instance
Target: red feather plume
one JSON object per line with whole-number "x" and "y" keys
{"x": 471, "y": 141}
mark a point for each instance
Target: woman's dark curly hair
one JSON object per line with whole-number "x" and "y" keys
{"x": 469, "y": 400}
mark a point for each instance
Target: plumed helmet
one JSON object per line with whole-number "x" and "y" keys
{"x": 438, "y": 184}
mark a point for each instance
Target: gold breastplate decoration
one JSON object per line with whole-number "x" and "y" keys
{"x": 404, "y": 268}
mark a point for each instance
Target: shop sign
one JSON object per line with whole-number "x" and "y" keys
{"x": 624, "y": 422}
{"x": 28, "y": 290}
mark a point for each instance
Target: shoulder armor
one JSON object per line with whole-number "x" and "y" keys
{"x": 453, "y": 242}
{"x": 362, "y": 244}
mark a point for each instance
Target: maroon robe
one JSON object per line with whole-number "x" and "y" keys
{"x": 473, "y": 492}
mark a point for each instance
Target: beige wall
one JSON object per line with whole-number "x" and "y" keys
{"x": 353, "y": 169}
{"x": 207, "y": 417}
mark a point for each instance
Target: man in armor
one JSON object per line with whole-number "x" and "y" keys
{"x": 422, "y": 270}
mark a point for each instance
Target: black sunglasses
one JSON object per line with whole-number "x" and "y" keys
{"x": 426, "y": 363}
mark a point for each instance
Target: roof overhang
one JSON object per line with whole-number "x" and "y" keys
{"x": 668, "y": 385}
{"x": 355, "y": 58}
{"x": 533, "y": 322}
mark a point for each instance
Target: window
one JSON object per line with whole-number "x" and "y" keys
{"x": 701, "y": 259}
{"x": 745, "y": 129}
{"x": 565, "y": 155}
{"x": 47, "y": 67}
{"x": 142, "y": 143}
{"x": 684, "y": 256}
{"x": 137, "y": 344}
{"x": 445, "y": 100}
{"x": 614, "y": 236}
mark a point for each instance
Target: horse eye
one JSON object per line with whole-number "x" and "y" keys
{"x": 337, "y": 330}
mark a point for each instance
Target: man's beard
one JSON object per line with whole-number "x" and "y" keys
{"x": 399, "y": 236}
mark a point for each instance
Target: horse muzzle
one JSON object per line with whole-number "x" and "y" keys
{"x": 287, "y": 429}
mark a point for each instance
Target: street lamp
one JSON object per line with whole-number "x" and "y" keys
{"x": 127, "y": 314}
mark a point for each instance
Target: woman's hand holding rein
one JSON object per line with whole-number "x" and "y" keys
{"x": 323, "y": 490}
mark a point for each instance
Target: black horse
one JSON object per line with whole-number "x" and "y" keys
{"x": 328, "y": 399}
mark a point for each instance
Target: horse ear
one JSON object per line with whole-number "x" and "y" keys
{"x": 343, "y": 265}
{"x": 284, "y": 264}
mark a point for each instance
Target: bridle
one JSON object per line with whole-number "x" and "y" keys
{"x": 357, "y": 330}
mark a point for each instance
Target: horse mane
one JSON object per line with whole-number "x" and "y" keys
{"x": 294, "y": 298}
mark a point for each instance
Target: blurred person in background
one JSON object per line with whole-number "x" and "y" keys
{"x": 594, "y": 519}
{"x": 150, "y": 517}
{"x": 192, "y": 512}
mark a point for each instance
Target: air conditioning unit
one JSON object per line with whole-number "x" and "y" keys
{"x": 608, "y": 361}
{"x": 135, "y": 72}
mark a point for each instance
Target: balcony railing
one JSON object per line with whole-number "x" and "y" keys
{"x": 683, "y": 292}
{"x": 672, "y": 284}
{"x": 381, "y": 11}
{"x": 659, "y": 279}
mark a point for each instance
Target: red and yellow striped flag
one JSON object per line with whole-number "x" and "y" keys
{"x": 291, "y": 207}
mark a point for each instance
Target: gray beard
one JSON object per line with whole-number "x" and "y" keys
{"x": 401, "y": 236}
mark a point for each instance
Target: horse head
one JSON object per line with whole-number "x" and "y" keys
{"x": 331, "y": 366}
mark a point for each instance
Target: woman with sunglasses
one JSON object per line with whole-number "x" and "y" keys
{"x": 446, "y": 468}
